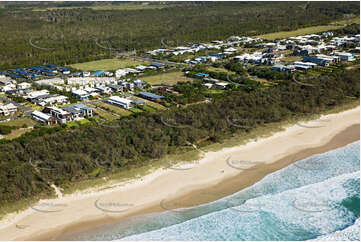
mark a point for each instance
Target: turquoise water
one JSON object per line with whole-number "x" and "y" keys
{"x": 317, "y": 198}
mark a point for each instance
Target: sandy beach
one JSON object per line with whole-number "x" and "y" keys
{"x": 216, "y": 175}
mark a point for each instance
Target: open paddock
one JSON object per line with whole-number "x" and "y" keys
{"x": 166, "y": 78}
{"x": 107, "y": 64}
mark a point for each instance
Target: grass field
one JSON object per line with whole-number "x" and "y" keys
{"x": 310, "y": 30}
{"x": 20, "y": 122}
{"x": 302, "y": 31}
{"x": 219, "y": 69}
{"x": 148, "y": 108}
{"x": 106, "y": 64}
{"x": 125, "y": 6}
{"x": 291, "y": 58}
{"x": 17, "y": 133}
{"x": 77, "y": 123}
{"x": 136, "y": 110}
{"x": 154, "y": 105}
{"x": 167, "y": 78}
{"x": 102, "y": 113}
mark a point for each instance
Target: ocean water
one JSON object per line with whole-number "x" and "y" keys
{"x": 317, "y": 198}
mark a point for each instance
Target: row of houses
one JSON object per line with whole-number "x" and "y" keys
{"x": 138, "y": 69}
{"x": 36, "y": 72}
{"x": 53, "y": 115}
{"x": 123, "y": 85}
{"x": 213, "y": 45}
{"x": 11, "y": 86}
{"x": 267, "y": 57}
{"x": 316, "y": 60}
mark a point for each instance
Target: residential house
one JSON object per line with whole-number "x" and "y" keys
{"x": 79, "y": 111}
{"x": 8, "y": 109}
{"x": 221, "y": 85}
{"x": 8, "y": 87}
{"x": 81, "y": 94}
{"x": 344, "y": 56}
{"x": 157, "y": 65}
{"x": 141, "y": 68}
{"x": 140, "y": 84}
{"x": 318, "y": 60}
{"x": 150, "y": 96}
{"x": 54, "y": 99}
{"x": 200, "y": 74}
{"x": 116, "y": 88}
{"x": 278, "y": 67}
{"x": 61, "y": 115}
{"x": 42, "y": 117}
{"x": 36, "y": 94}
{"x": 104, "y": 90}
{"x": 24, "y": 85}
{"x": 119, "y": 101}
{"x": 138, "y": 102}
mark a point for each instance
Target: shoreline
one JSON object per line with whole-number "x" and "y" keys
{"x": 212, "y": 174}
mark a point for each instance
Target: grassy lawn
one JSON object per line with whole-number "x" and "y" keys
{"x": 106, "y": 64}
{"x": 72, "y": 124}
{"x": 302, "y": 31}
{"x": 34, "y": 106}
{"x": 136, "y": 110}
{"x": 154, "y": 105}
{"x": 113, "y": 108}
{"x": 16, "y": 133}
{"x": 20, "y": 122}
{"x": 102, "y": 113}
{"x": 291, "y": 58}
{"x": 214, "y": 91}
{"x": 167, "y": 78}
{"x": 219, "y": 69}
{"x": 148, "y": 108}
{"x": 355, "y": 20}
{"x": 126, "y": 6}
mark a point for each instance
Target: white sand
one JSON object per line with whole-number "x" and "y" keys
{"x": 166, "y": 183}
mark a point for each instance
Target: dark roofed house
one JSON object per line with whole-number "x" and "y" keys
{"x": 150, "y": 96}
{"x": 79, "y": 111}
{"x": 116, "y": 88}
{"x": 137, "y": 102}
{"x": 157, "y": 65}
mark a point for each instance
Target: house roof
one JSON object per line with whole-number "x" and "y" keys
{"x": 150, "y": 95}
{"x": 120, "y": 99}
{"x": 41, "y": 115}
{"x": 98, "y": 73}
{"x": 80, "y": 92}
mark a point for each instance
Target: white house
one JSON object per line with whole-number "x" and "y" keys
{"x": 35, "y": 94}
{"x": 54, "y": 100}
{"x": 42, "y": 117}
{"x": 81, "y": 94}
{"x": 345, "y": 56}
{"x": 119, "y": 101}
{"x": 8, "y": 109}
{"x": 24, "y": 85}
{"x": 221, "y": 85}
{"x": 8, "y": 87}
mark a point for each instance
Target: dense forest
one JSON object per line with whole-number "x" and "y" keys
{"x": 30, "y": 163}
{"x": 70, "y": 32}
